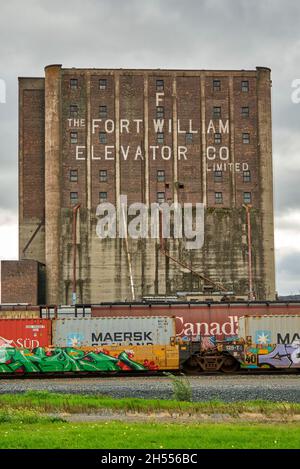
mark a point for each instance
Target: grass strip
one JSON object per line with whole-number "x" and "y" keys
{"x": 46, "y": 402}
{"x": 112, "y": 435}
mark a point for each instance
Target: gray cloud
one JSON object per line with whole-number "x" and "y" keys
{"x": 156, "y": 34}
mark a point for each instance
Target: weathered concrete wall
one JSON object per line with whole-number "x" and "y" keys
{"x": 31, "y": 169}
{"x": 103, "y": 271}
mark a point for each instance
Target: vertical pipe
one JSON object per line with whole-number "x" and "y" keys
{"x": 250, "y": 279}
{"x": 128, "y": 254}
{"x": 74, "y": 295}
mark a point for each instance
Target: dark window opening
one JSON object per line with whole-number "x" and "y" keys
{"x": 216, "y": 112}
{"x": 218, "y": 176}
{"x": 102, "y": 111}
{"x": 218, "y": 138}
{"x": 217, "y": 85}
{"x": 159, "y": 85}
{"x": 246, "y": 176}
{"x": 246, "y": 138}
{"x": 102, "y": 84}
{"x": 102, "y": 196}
{"x": 73, "y": 137}
{"x": 103, "y": 175}
{"x": 73, "y": 110}
{"x": 73, "y": 83}
{"x": 74, "y": 198}
{"x": 102, "y": 137}
{"x": 73, "y": 175}
{"x": 218, "y": 197}
{"x": 245, "y": 86}
{"x": 160, "y": 175}
{"x": 160, "y": 137}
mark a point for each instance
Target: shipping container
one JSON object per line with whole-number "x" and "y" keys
{"x": 194, "y": 319}
{"x": 267, "y": 342}
{"x": 19, "y": 311}
{"x": 270, "y": 329}
{"x": 19, "y": 314}
{"x": 81, "y": 332}
{"x": 27, "y": 333}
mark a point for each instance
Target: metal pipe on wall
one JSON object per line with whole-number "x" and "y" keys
{"x": 74, "y": 294}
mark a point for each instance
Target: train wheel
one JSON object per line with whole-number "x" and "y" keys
{"x": 191, "y": 366}
{"x": 230, "y": 365}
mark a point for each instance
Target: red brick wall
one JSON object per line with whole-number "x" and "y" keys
{"x": 19, "y": 281}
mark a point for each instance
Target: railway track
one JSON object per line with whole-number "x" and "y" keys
{"x": 235, "y": 387}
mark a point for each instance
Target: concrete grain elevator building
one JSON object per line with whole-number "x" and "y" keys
{"x": 89, "y": 136}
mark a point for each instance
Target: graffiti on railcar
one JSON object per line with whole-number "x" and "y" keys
{"x": 272, "y": 355}
{"x": 68, "y": 359}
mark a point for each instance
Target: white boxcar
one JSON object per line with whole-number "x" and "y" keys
{"x": 89, "y": 332}
{"x": 265, "y": 330}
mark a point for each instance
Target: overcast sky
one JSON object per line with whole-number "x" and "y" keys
{"x": 212, "y": 34}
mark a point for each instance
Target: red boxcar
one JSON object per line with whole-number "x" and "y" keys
{"x": 28, "y": 333}
{"x": 206, "y": 319}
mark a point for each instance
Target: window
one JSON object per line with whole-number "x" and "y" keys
{"x": 216, "y": 112}
{"x": 102, "y": 197}
{"x": 74, "y": 198}
{"x": 73, "y": 175}
{"x": 160, "y": 197}
{"x": 218, "y": 138}
{"x": 218, "y": 197}
{"x": 73, "y": 83}
{"x": 245, "y": 86}
{"x": 102, "y": 137}
{"x": 73, "y": 137}
{"x": 160, "y": 137}
{"x": 245, "y": 111}
{"x": 102, "y": 84}
{"x": 218, "y": 176}
{"x": 217, "y": 85}
{"x": 73, "y": 110}
{"x": 102, "y": 111}
{"x": 188, "y": 138}
{"x": 246, "y": 176}
{"x": 160, "y": 112}
{"x": 247, "y": 198}
{"x": 246, "y": 138}
{"x": 159, "y": 85}
{"x": 103, "y": 175}
{"x": 160, "y": 175}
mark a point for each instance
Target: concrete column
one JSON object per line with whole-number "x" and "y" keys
{"x": 88, "y": 145}
{"x": 117, "y": 139}
{"x": 52, "y": 181}
{"x": 146, "y": 140}
{"x": 175, "y": 142}
{"x": 231, "y": 141}
{"x": 266, "y": 178}
{"x": 203, "y": 141}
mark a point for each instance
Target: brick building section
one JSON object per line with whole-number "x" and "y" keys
{"x": 22, "y": 282}
{"x": 48, "y": 140}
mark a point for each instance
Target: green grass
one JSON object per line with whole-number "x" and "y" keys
{"x": 52, "y": 402}
{"x": 111, "y": 435}
{"x": 25, "y": 423}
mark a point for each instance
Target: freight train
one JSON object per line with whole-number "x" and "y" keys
{"x": 68, "y": 344}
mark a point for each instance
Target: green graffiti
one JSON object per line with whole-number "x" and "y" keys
{"x": 41, "y": 360}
